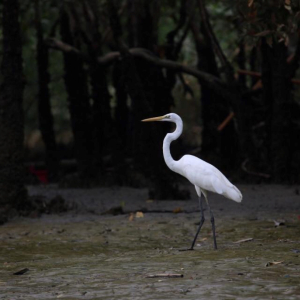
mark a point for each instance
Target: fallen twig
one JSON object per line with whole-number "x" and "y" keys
{"x": 272, "y": 263}
{"x": 21, "y": 272}
{"x": 243, "y": 241}
{"x": 165, "y": 275}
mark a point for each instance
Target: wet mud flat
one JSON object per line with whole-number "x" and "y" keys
{"x": 83, "y": 254}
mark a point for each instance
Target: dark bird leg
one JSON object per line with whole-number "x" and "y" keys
{"x": 199, "y": 227}
{"x": 212, "y": 219}
{"x": 200, "y": 224}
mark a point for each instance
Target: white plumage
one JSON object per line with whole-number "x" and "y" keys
{"x": 204, "y": 176}
{"x": 207, "y": 177}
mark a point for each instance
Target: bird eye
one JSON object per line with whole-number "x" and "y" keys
{"x": 168, "y": 116}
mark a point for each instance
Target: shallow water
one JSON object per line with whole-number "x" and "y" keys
{"x": 106, "y": 257}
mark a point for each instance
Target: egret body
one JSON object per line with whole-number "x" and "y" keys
{"x": 204, "y": 176}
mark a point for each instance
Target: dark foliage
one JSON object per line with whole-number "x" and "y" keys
{"x": 122, "y": 63}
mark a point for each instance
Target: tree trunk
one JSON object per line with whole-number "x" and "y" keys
{"x": 218, "y": 147}
{"x": 44, "y": 105}
{"x": 122, "y": 110}
{"x": 102, "y": 126}
{"x": 102, "y": 123}
{"x": 277, "y": 98}
{"x": 241, "y": 60}
{"x": 156, "y": 96}
{"x": 78, "y": 99}
{"x": 13, "y": 193}
{"x": 253, "y": 63}
{"x": 280, "y": 122}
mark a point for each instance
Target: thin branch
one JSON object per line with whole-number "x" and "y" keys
{"x": 171, "y": 35}
{"x": 109, "y": 58}
{"x": 54, "y": 27}
{"x": 203, "y": 47}
{"x": 294, "y": 60}
{"x": 186, "y": 87}
{"x": 187, "y": 9}
{"x": 219, "y": 52}
{"x": 198, "y": 38}
{"x": 251, "y": 73}
{"x": 226, "y": 121}
{"x": 61, "y": 46}
{"x": 179, "y": 44}
{"x": 267, "y": 176}
{"x": 106, "y": 60}
{"x": 258, "y": 75}
{"x": 109, "y": 30}
{"x": 205, "y": 78}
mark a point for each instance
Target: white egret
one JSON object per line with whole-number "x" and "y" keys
{"x": 204, "y": 176}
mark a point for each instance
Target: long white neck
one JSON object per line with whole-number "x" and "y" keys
{"x": 170, "y": 137}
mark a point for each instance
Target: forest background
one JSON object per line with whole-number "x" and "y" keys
{"x": 78, "y": 76}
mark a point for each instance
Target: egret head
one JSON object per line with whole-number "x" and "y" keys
{"x": 171, "y": 117}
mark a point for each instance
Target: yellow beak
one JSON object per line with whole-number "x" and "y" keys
{"x": 154, "y": 119}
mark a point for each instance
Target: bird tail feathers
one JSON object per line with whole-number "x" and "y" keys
{"x": 235, "y": 194}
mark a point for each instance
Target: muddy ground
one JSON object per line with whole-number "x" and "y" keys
{"x": 85, "y": 254}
